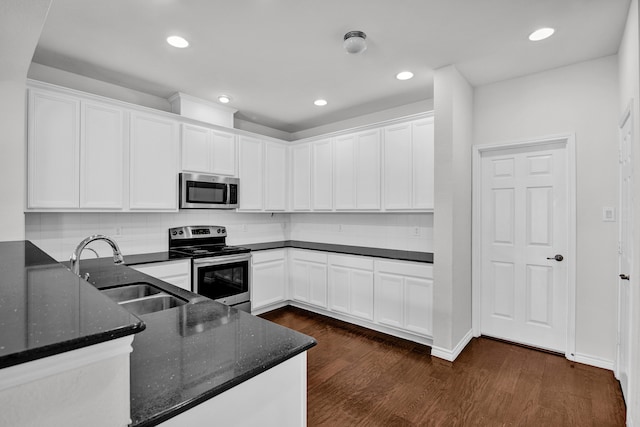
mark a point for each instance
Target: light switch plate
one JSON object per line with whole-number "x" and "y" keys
{"x": 608, "y": 214}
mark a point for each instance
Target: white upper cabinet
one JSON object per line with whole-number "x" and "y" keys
{"x": 408, "y": 165}
{"x": 154, "y": 162}
{"x": 322, "y": 175}
{"x": 75, "y": 153}
{"x": 53, "y": 150}
{"x": 275, "y": 177}
{"x": 102, "y": 156}
{"x": 423, "y": 163}
{"x": 301, "y": 177}
{"x": 357, "y": 171}
{"x": 251, "y": 160}
{"x": 208, "y": 151}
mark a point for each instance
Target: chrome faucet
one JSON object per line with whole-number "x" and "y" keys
{"x": 75, "y": 256}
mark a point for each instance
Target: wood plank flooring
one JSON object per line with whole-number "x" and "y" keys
{"x": 358, "y": 377}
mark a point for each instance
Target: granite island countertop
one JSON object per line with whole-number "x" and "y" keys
{"x": 193, "y": 352}
{"x": 47, "y": 310}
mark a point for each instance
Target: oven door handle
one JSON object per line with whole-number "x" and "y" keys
{"x": 224, "y": 259}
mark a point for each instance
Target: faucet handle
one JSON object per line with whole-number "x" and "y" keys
{"x": 86, "y": 276}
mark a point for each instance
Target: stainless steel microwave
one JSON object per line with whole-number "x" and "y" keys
{"x": 204, "y": 191}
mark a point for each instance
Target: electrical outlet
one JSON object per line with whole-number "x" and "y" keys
{"x": 340, "y": 228}
{"x": 245, "y": 228}
{"x": 118, "y": 231}
{"x": 416, "y": 231}
{"x": 608, "y": 214}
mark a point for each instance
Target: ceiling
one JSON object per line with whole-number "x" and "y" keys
{"x": 275, "y": 57}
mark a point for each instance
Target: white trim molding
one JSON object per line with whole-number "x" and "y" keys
{"x": 568, "y": 140}
{"x": 594, "y": 361}
{"x": 451, "y": 355}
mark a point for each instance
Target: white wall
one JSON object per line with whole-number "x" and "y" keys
{"x": 411, "y": 231}
{"x": 581, "y": 98}
{"x": 21, "y": 23}
{"x": 58, "y": 233}
{"x": 452, "y": 217}
{"x": 629, "y": 76}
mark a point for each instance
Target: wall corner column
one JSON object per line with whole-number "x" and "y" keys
{"x": 453, "y": 115}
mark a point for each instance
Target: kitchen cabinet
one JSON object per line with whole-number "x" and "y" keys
{"x": 351, "y": 285}
{"x": 403, "y": 293}
{"x": 251, "y": 173}
{"x": 408, "y": 165}
{"x": 102, "y": 142}
{"x": 357, "y": 171}
{"x": 322, "y": 175}
{"x": 275, "y": 177}
{"x": 208, "y": 151}
{"x": 153, "y": 162}
{"x": 269, "y": 278}
{"x": 308, "y": 277}
{"x": 75, "y": 153}
{"x": 53, "y": 150}
{"x": 301, "y": 177}
{"x": 177, "y": 272}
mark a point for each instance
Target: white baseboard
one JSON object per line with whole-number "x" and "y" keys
{"x": 594, "y": 361}
{"x": 451, "y": 355}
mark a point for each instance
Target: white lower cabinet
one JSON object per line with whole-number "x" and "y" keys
{"x": 178, "y": 272}
{"x": 404, "y": 296}
{"x": 269, "y": 278}
{"x": 351, "y": 285}
{"x": 308, "y": 277}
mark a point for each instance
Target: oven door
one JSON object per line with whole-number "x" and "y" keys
{"x": 226, "y": 279}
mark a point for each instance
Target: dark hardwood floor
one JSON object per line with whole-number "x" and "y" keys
{"x": 358, "y": 377}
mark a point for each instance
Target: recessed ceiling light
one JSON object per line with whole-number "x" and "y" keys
{"x": 404, "y": 75}
{"x": 225, "y": 99}
{"x": 177, "y": 41}
{"x": 541, "y": 34}
{"x": 320, "y": 102}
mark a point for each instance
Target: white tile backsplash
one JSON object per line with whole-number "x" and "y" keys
{"x": 138, "y": 232}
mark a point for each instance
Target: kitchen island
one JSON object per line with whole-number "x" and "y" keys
{"x": 189, "y": 363}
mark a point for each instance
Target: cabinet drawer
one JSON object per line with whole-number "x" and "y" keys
{"x": 313, "y": 256}
{"x": 359, "y": 262}
{"x": 405, "y": 268}
{"x": 267, "y": 256}
{"x": 165, "y": 269}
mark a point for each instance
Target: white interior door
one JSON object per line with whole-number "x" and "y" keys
{"x": 625, "y": 255}
{"x": 524, "y": 218}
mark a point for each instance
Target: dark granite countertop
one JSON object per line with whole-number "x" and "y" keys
{"x": 46, "y": 310}
{"x": 193, "y": 352}
{"x": 396, "y": 254}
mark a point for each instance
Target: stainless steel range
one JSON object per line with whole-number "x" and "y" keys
{"x": 219, "y": 272}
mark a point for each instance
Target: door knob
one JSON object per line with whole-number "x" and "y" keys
{"x": 624, "y": 277}
{"x": 557, "y": 257}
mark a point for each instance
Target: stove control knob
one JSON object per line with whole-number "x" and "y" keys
{"x": 181, "y": 232}
{"x": 174, "y": 232}
{"x": 223, "y": 230}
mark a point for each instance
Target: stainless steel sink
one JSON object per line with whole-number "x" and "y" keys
{"x": 151, "y": 304}
{"x": 130, "y": 292}
{"x": 143, "y": 298}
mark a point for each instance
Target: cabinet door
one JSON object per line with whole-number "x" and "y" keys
{"x": 223, "y": 156}
{"x": 318, "y": 284}
{"x": 196, "y": 148}
{"x": 345, "y": 172}
{"x": 368, "y": 170}
{"x": 153, "y": 162}
{"x": 268, "y": 279}
{"x": 101, "y": 161}
{"x": 53, "y": 151}
{"x": 361, "y": 294}
{"x": 322, "y": 176}
{"x": 299, "y": 280}
{"x": 339, "y": 284}
{"x": 301, "y": 177}
{"x": 418, "y": 305}
{"x": 251, "y": 173}
{"x": 275, "y": 177}
{"x": 389, "y": 299}
{"x": 398, "y": 165}
{"x": 423, "y": 181}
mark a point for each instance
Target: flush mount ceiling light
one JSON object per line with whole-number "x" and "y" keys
{"x": 320, "y": 102}
{"x": 177, "y": 41}
{"x": 541, "y": 34}
{"x": 355, "y": 42}
{"x": 224, "y": 99}
{"x": 404, "y": 75}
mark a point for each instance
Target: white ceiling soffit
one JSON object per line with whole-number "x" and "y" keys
{"x": 275, "y": 57}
